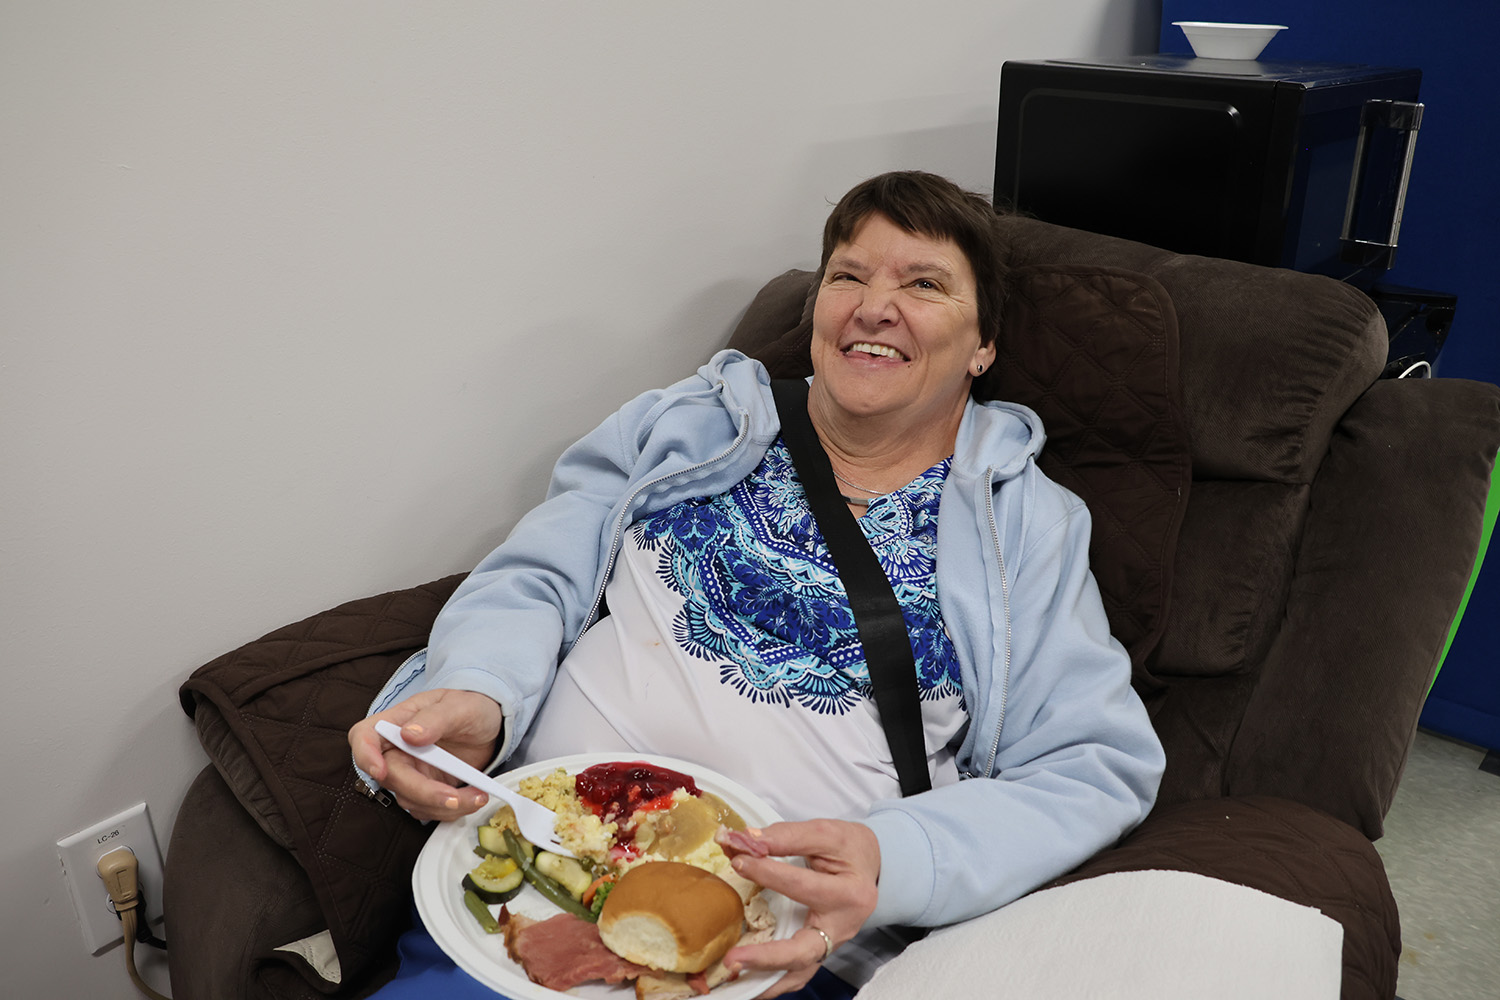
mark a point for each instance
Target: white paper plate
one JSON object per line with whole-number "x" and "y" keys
{"x": 449, "y": 854}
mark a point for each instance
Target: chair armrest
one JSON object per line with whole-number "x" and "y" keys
{"x": 233, "y": 896}
{"x": 1395, "y": 517}
{"x": 1284, "y": 848}
{"x": 272, "y": 716}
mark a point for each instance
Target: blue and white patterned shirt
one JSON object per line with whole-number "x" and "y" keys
{"x": 764, "y": 604}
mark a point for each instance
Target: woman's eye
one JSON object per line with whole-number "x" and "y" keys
{"x": 926, "y": 284}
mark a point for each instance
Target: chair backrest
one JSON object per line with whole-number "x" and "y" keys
{"x": 1268, "y": 362}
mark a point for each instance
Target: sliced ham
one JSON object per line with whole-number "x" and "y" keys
{"x": 563, "y": 951}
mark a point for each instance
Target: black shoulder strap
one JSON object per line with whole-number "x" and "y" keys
{"x": 877, "y": 615}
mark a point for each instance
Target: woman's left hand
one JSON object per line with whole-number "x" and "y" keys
{"x": 838, "y": 886}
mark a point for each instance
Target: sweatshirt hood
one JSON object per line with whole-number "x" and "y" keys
{"x": 998, "y": 436}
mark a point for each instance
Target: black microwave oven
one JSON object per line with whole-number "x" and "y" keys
{"x": 1297, "y": 165}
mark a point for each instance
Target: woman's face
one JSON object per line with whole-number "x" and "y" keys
{"x": 896, "y": 326}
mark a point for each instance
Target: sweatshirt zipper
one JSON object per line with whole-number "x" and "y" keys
{"x": 614, "y": 545}
{"x": 1005, "y": 605}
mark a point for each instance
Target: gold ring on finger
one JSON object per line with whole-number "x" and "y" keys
{"x": 827, "y": 942}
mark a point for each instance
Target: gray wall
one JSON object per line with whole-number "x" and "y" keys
{"x": 298, "y": 302}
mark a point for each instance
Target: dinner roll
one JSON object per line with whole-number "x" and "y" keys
{"x": 671, "y": 916}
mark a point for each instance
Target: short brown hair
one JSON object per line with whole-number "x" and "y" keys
{"x": 935, "y": 207}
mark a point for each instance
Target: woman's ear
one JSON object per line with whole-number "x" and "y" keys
{"x": 983, "y": 359}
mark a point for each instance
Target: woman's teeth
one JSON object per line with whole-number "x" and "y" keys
{"x": 878, "y": 349}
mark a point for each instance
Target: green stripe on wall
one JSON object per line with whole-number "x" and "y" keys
{"x": 1491, "y": 508}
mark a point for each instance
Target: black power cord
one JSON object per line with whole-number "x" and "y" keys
{"x": 118, "y": 870}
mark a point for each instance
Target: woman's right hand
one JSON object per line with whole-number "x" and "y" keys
{"x": 464, "y": 723}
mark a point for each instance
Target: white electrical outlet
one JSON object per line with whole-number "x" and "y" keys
{"x": 80, "y": 854}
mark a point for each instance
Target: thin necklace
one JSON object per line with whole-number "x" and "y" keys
{"x": 858, "y": 501}
{"x": 862, "y": 489}
{"x": 861, "y": 501}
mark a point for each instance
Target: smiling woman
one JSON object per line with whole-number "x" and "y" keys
{"x": 730, "y": 640}
{"x": 906, "y": 317}
{"x": 896, "y": 346}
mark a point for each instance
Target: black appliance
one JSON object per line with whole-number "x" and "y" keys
{"x": 1418, "y": 321}
{"x": 1299, "y": 165}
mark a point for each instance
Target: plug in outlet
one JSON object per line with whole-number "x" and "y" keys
{"x": 80, "y": 854}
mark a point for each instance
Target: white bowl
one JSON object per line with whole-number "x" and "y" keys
{"x": 1219, "y": 40}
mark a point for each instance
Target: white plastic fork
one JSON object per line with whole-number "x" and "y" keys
{"x": 538, "y": 823}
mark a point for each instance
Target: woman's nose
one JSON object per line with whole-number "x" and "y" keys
{"x": 877, "y": 307}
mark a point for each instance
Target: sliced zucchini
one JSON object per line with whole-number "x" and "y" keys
{"x": 496, "y": 880}
{"x": 566, "y": 872}
{"x": 492, "y": 839}
{"x": 555, "y": 893}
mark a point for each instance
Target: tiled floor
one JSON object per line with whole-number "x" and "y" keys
{"x": 1442, "y": 852}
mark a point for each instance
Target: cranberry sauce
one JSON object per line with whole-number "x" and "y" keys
{"x": 615, "y": 790}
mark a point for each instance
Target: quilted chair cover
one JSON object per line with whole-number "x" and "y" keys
{"x": 1281, "y": 540}
{"x": 278, "y": 844}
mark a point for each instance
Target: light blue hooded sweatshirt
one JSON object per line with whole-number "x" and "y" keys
{"x": 1058, "y": 760}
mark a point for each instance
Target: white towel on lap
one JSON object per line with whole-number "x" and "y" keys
{"x": 1155, "y": 935}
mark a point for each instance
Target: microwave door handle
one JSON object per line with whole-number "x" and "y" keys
{"x": 1403, "y": 116}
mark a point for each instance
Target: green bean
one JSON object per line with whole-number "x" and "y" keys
{"x": 555, "y": 893}
{"x": 481, "y": 912}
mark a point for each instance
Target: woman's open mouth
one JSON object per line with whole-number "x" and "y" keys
{"x": 877, "y": 350}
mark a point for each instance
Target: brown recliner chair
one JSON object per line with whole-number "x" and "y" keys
{"x": 1282, "y": 540}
